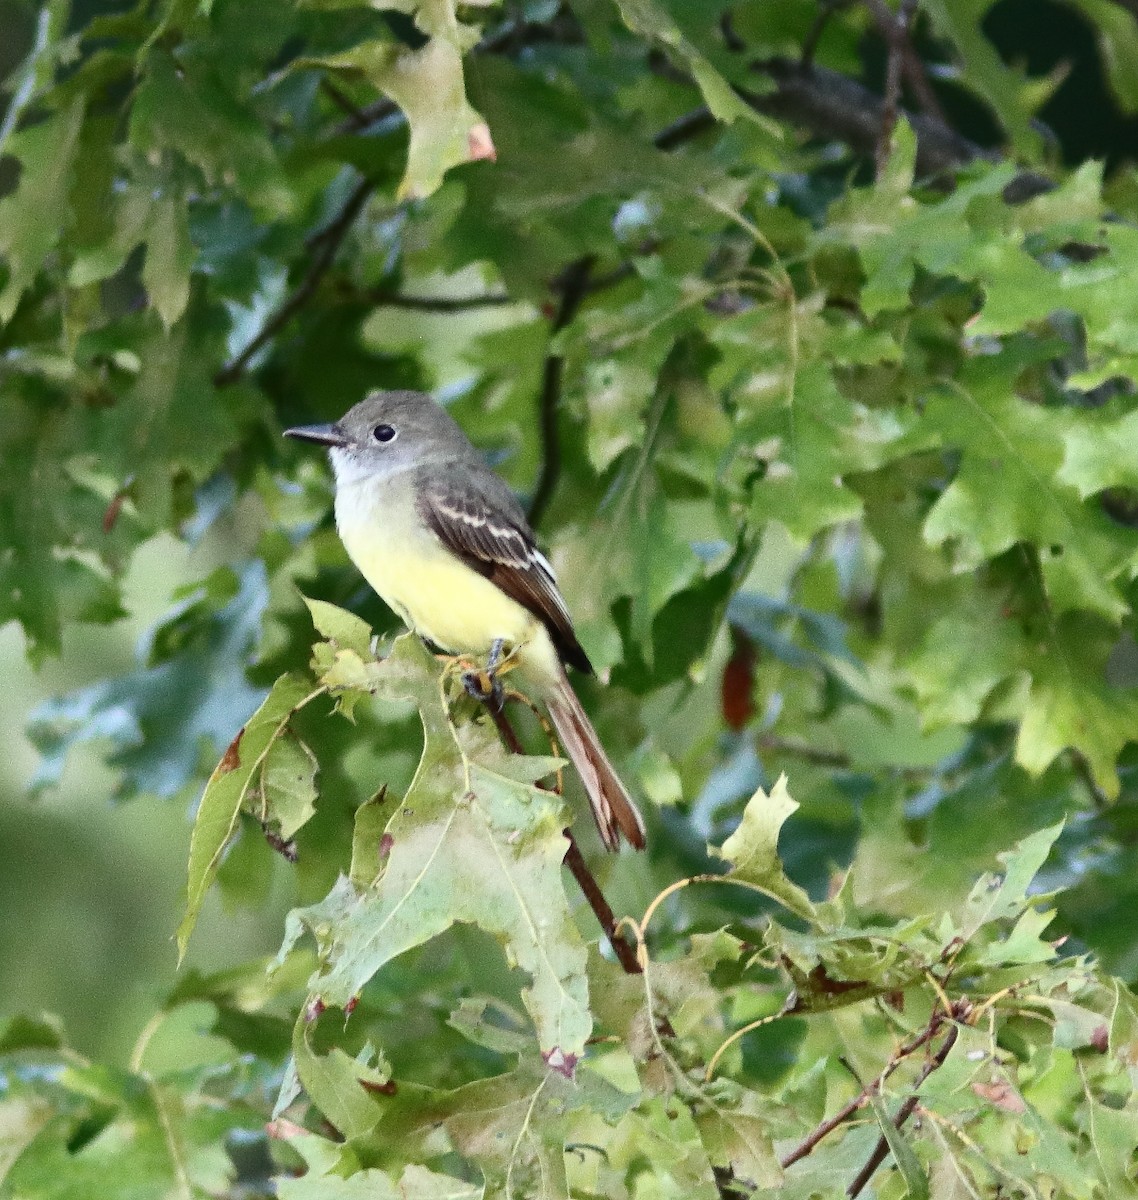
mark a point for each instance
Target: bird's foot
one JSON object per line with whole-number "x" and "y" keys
{"x": 484, "y": 683}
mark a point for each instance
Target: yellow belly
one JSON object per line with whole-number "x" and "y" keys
{"x": 438, "y": 595}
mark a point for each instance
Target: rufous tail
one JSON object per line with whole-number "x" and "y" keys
{"x": 613, "y": 809}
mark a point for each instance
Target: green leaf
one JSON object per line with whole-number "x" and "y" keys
{"x": 427, "y": 84}
{"x": 915, "y": 1177}
{"x": 649, "y": 19}
{"x": 752, "y": 850}
{"x": 286, "y": 795}
{"x": 228, "y": 790}
{"x": 186, "y": 105}
{"x": 166, "y": 271}
{"x": 1072, "y": 704}
{"x": 31, "y": 228}
{"x": 1099, "y": 453}
{"x": 50, "y": 572}
{"x": 999, "y": 899}
{"x": 1007, "y": 490}
{"x": 342, "y": 628}
{"x": 741, "y": 1142}
{"x": 334, "y": 1082}
{"x": 469, "y": 804}
{"x": 157, "y": 717}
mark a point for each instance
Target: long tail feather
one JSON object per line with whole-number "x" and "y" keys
{"x": 613, "y": 808}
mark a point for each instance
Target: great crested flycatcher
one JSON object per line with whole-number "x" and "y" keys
{"x": 444, "y": 542}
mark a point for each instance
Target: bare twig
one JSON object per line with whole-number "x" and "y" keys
{"x": 437, "y": 304}
{"x": 814, "y": 34}
{"x": 889, "y": 25}
{"x": 832, "y": 105}
{"x": 625, "y": 953}
{"x": 325, "y": 245}
{"x": 861, "y": 1099}
{"x": 774, "y": 744}
{"x": 360, "y": 119}
{"x": 896, "y": 32}
{"x": 684, "y": 128}
{"x": 573, "y": 284}
{"x": 881, "y": 1150}
{"x": 356, "y": 118}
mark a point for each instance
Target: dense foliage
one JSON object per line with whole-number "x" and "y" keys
{"x": 808, "y": 333}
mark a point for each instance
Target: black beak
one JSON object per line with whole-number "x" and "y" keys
{"x": 324, "y": 435}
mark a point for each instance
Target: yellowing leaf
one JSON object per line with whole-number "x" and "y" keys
{"x": 229, "y": 787}
{"x": 427, "y": 84}
{"x": 752, "y": 850}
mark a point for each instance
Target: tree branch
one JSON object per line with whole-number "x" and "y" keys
{"x": 832, "y": 105}
{"x": 624, "y": 951}
{"x": 896, "y": 29}
{"x": 324, "y": 246}
{"x": 881, "y": 1150}
{"x": 684, "y": 128}
{"x": 923, "y": 1038}
{"x": 436, "y": 304}
{"x": 896, "y": 33}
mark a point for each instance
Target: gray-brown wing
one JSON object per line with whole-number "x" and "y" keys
{"x": 480, "y": 521}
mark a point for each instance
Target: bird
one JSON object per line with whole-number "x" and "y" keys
{"x": 444, "y": 542}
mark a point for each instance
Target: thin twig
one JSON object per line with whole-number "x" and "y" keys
{"x": 437, "y": 304}
{"x": 326, "y": 244}
{"x": 625, "y": 953}
{"x": 912, "y": 68}
{"x": 684, "y": 128}
{"x": 881, "y": 1150}
{"x": 356, "y": 118}
{"x": 896, "y": 32}
{"x": 573, "y": 284}
{"x": 363, "y": 118}
{"x": 774, "y": 744}
{"x": 859, "y": 1101}
{"x": 814, "y": 33}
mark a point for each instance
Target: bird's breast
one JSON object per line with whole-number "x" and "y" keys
{"x": 435, "y": 592}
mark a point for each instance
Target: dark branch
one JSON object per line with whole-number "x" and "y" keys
{"x": 356, "y": 118}
{"x": 859, "y": 1101}
{"x": 324, "y": 246}
{"x": 896, "y": 32}
{"x": 573, "y": 284}
{"x": 360, "y": 119}
{"x": 684, "y": 128}
{"x": 831, "y": 105}
{"x": 901, "y": 43}
{"x": 437, "y": 304}
{"x": 814, "y": 33}
{"x": 881, "y": 1150}
{"x": 625, "y": 953}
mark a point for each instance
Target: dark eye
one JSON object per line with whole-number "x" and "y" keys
{"x": 384, "y": 433}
